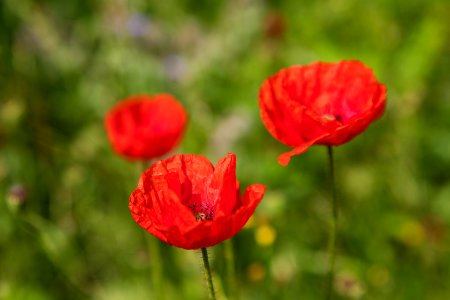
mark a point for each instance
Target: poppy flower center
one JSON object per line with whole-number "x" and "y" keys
{"x": 202, "y": 211}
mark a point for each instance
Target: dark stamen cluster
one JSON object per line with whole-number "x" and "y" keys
{"x": 202, "y": 211}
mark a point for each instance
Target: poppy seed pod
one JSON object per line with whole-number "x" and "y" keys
{"x": 187, "y": 202}
{"x": 321, "y": 104}
{"x": 146, "y": 127}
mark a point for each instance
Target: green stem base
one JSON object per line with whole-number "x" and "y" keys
{"x": 333, "y": 227}
{"x": 208, "y": 274}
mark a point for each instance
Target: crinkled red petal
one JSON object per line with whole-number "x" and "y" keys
{"x": 321, "y": 103}
{"x": 159, "y": 204}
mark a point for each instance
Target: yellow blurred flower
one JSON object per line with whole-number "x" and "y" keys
{"x": 412, "y": 233}
{"x": 265, "y": 235}
{"x": 256, "y": 272}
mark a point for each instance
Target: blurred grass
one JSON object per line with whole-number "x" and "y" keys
{"x": 65, "y": 229}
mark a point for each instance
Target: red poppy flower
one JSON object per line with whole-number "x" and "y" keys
{"x": 144, "y": 127}
{"x": 187, "y": 202}
{"x": 321, "y": 103}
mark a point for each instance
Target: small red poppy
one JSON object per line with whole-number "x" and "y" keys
{"x": 321, "y": 103}
{"x": 145, "y": 127}
{"x": 187, "y": 202}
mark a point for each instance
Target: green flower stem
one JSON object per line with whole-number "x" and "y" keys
{"x": 155, "y": 258}
{"x": 230, "y": 269}
{"x": 153, "y": 246}
{"x": 208, "y": 274}
{"x": 333, "y": 227}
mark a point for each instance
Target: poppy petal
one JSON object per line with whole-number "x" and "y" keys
{"x": 252, "y": 196}
{"x": 145, "y": 127}
{"x": 285, "y": 158}
{"x": 223, "y": 184}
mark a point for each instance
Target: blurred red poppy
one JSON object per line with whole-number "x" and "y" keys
{"x": 145, "y": 127}
{"x": 187, "y": 202}
{"x": 321, "y": 103}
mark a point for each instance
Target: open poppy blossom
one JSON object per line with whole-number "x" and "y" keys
{"x": 145, "y": 127}
{"x": 187, "y": 202}
{"x": 321, "y": 103}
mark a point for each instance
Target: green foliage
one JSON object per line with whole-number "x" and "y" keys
{"x": 70, "y": 234}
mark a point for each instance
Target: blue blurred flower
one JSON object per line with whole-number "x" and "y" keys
{"x": 139, "y": 25}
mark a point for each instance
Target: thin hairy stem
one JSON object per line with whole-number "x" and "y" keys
{"x": 208, "y": 274}
{"x": 333, "y": 227}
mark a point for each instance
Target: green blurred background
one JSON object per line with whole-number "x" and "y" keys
{"x": 65, "y": 229}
